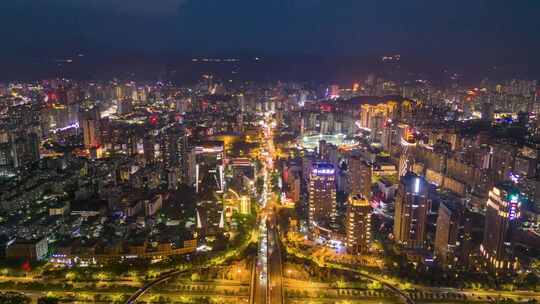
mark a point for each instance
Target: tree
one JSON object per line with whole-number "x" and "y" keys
{"x": 48, "y": 300}
{"x": 531, "y": 281}
{"x": 259, "y": 185}
{"x": 14, "y": 298}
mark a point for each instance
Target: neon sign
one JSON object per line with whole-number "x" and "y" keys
{"x": 513, "y": 207}
{"x": 324, "y": 171}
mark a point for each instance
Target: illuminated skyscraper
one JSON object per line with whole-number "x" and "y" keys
{"x": 408, "y": 143}
{"x": 358, "y": 225}
{"x": 175, "y": 150}
{"x": 322, "y": 195}
{"x": 503, "y": 211}
{"x": 411, "y": 209}
{"x": 360, "y": 177}
{"x": 90, "y": 124}
{"x": 208, "y": 160}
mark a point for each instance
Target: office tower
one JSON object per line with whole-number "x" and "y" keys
{"x": 411, "y": 209}
{"x": 358, "y": 225}
{"x": 360, "y": 177}
{"x": 454, "y": 234}
{"x": 175, "y": 149}
{"x": 502, "y": 214}
{"x": 322, "y": 196}
{"x": 90, "y": 123}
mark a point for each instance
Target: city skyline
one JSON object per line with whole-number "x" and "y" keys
{"x": 269, "y": 152}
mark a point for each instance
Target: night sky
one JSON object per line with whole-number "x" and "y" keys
{"x": 453, "y": 30}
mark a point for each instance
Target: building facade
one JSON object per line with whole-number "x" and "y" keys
{"x": 502, "y": 213}
{"x": 358, "y": 226}
{"x": 411, "y": 210}
{"x": 322, "y": 195}
{"x": 453, "y": 234}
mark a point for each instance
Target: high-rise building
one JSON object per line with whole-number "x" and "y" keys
{"x": 6, "y": 160}
{"x": 374, "y": 117}
{"x": 25, "y": 150}
{"x": 294, "y": 188}
{"x": 323, "y": 145}
{"x": 408, "y": 144}
{"x": 208, "y": 160}
{"x": 149, "y": 149}
{"x": 90, "y": 133}
{"x": 502, "y": 213}
{"x": 119, "y": 92}
{"x": 91, "y": 129}
{"x": 322, "y": 196}
{"x": 358, "y": 225}
{"x": 360, "y": 176}
{"x": 175, "y": 149}
{"x": 411, "y": 209}
{"x": 245, "y": 205}
{"x": 454, "y": 234}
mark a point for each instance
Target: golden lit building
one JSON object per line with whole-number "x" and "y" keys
{"x": 322, "y": 196}
{"x": 245, "y": 205}
{"x": 358, "y": 225}
{"x": 374, "y": 117}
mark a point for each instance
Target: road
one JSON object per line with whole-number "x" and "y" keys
{"x": 141, "y": 291}
{"x": 260, "y": 284}
{"x": 275, "y": 269}
{"x": 268, "y": 279}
